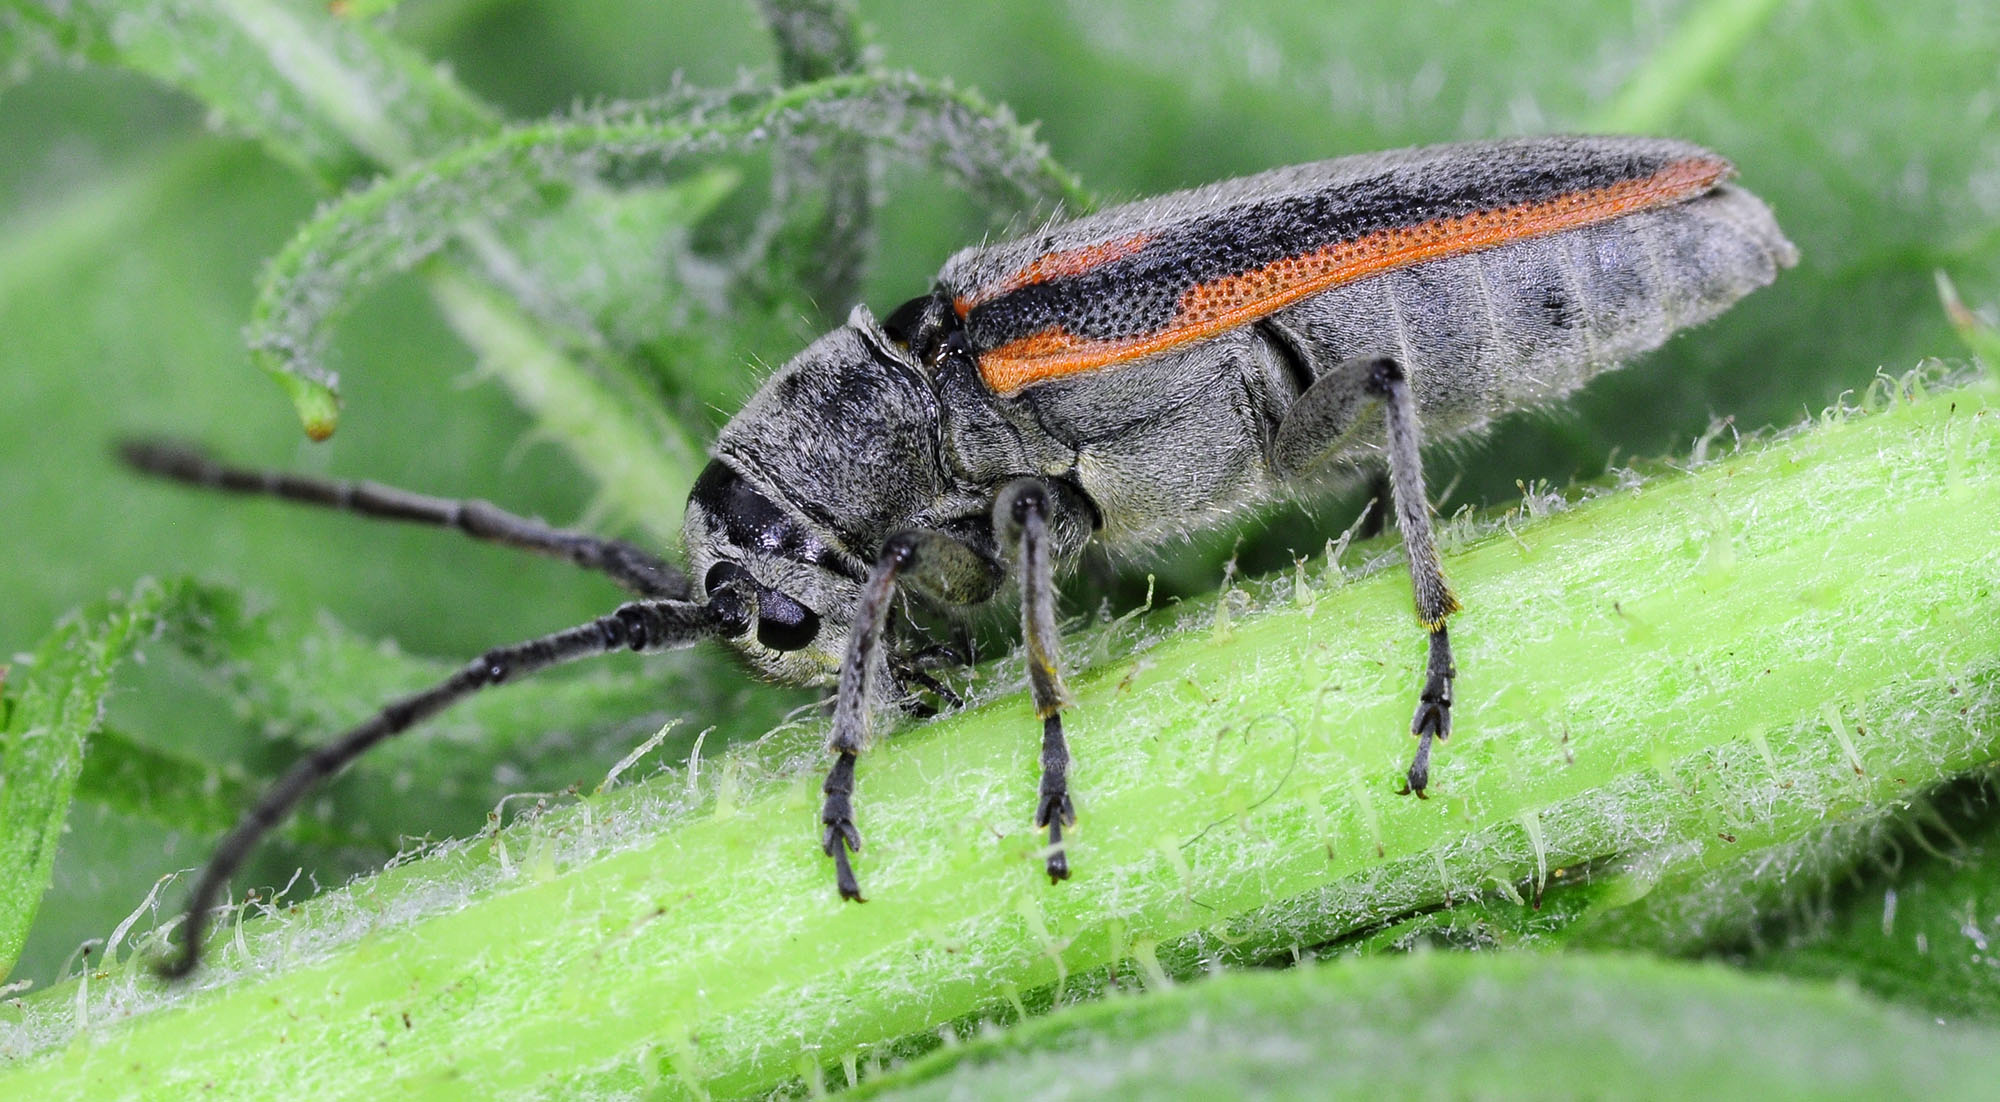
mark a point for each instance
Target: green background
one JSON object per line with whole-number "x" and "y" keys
{"x": 131, "y": 234}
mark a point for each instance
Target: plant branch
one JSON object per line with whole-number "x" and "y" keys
{"x": 1664, "y": 678}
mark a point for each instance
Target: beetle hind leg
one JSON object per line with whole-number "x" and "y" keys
{"x": 1435, "y": 600}
{"x": 1320, "y": 421}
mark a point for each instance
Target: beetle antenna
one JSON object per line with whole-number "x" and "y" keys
{"x": 639, "y": 626}
{"x": 638, "y": 571}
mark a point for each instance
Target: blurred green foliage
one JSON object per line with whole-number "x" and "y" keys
{"x": 1452, "y": 1025}
{"x": 134, "y": 219}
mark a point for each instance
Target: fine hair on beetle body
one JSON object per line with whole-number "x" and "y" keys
{"x": 1114, "y": 381}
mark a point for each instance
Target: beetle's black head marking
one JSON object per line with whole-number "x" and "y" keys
{"x": 751, "y": 521}
{"x": 737, "y": 536}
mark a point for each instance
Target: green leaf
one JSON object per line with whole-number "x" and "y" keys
{"x": 822, "y": 201}
{"x": 321, "y": 92}
{"x": 616, "y": 254}
{"x": 1237, "y": 801}
{"x": 1451, "y": 1026}
{"x": 591, "y": 404}
{"x": 55, "y": 701}
{"x": 171, "y": 791}
{"x": 24, "y": 45}
{"x": 403, "y": 219}
{"x": 334, "y": 98}
{"x": 1916, "y": 921}
{"x": 627, "y": 267}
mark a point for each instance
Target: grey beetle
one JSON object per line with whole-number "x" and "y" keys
{"x": 1121, "y": 377}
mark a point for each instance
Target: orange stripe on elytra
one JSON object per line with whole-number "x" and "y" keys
{"x": 1210, "y": 308}
{"x": 1055, "y": 265}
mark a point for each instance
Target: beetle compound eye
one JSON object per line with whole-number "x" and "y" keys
{"x": 901, "y": 324}
{"x": 923, "y": 326}
{"x": 724, "y": 573}
{"x": 783, "y": 623}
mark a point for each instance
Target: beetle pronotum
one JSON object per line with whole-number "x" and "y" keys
{"x": 1119, "y": 378}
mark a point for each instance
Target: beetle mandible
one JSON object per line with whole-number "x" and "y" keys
{"x": 1121, "y": 377}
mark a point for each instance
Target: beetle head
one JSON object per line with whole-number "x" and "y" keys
{"x": 836, "y": 451}
{"x": 736, "y": 535}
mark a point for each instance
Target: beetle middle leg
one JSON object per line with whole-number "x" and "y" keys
{"x": 1319, "y": 421}
{"x": 1038, "y": 520}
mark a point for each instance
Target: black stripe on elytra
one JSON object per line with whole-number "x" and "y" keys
{"x": 1139, "y": 294}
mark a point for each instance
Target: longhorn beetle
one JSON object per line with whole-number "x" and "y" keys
{"x": 1121, "y": 377}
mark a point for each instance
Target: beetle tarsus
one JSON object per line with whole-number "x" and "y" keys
{"x": 1433, "y": 718}
{"x": 1434, "y": 706}
{"x": 1054, "y": 810}
{"x": 842, "y": 837}
{"x": 1418, "y": 777}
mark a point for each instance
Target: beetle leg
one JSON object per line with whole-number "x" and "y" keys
{"x": 910, "y": 678}
{"x": 1375, "y": 514}
{"x": 1435, "y": 600}
{"x": 1022, "y": 514}
{"x": 937, "y": 564}
{"x": 1317, "y": 423}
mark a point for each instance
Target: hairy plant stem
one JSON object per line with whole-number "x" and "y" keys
{"x": 1666, "y": 677}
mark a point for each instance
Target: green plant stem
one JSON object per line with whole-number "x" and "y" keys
{"x": 1712, "y": 34}
{"x": 1665, "y": 677}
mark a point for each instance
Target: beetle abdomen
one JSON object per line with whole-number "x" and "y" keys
{"x": 1527, "y": 322}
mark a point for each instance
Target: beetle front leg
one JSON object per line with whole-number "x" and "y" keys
{"x": 1022, "y": 517}
{"x": 937, "y": 564}
{"x": 1320, "y": 421}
